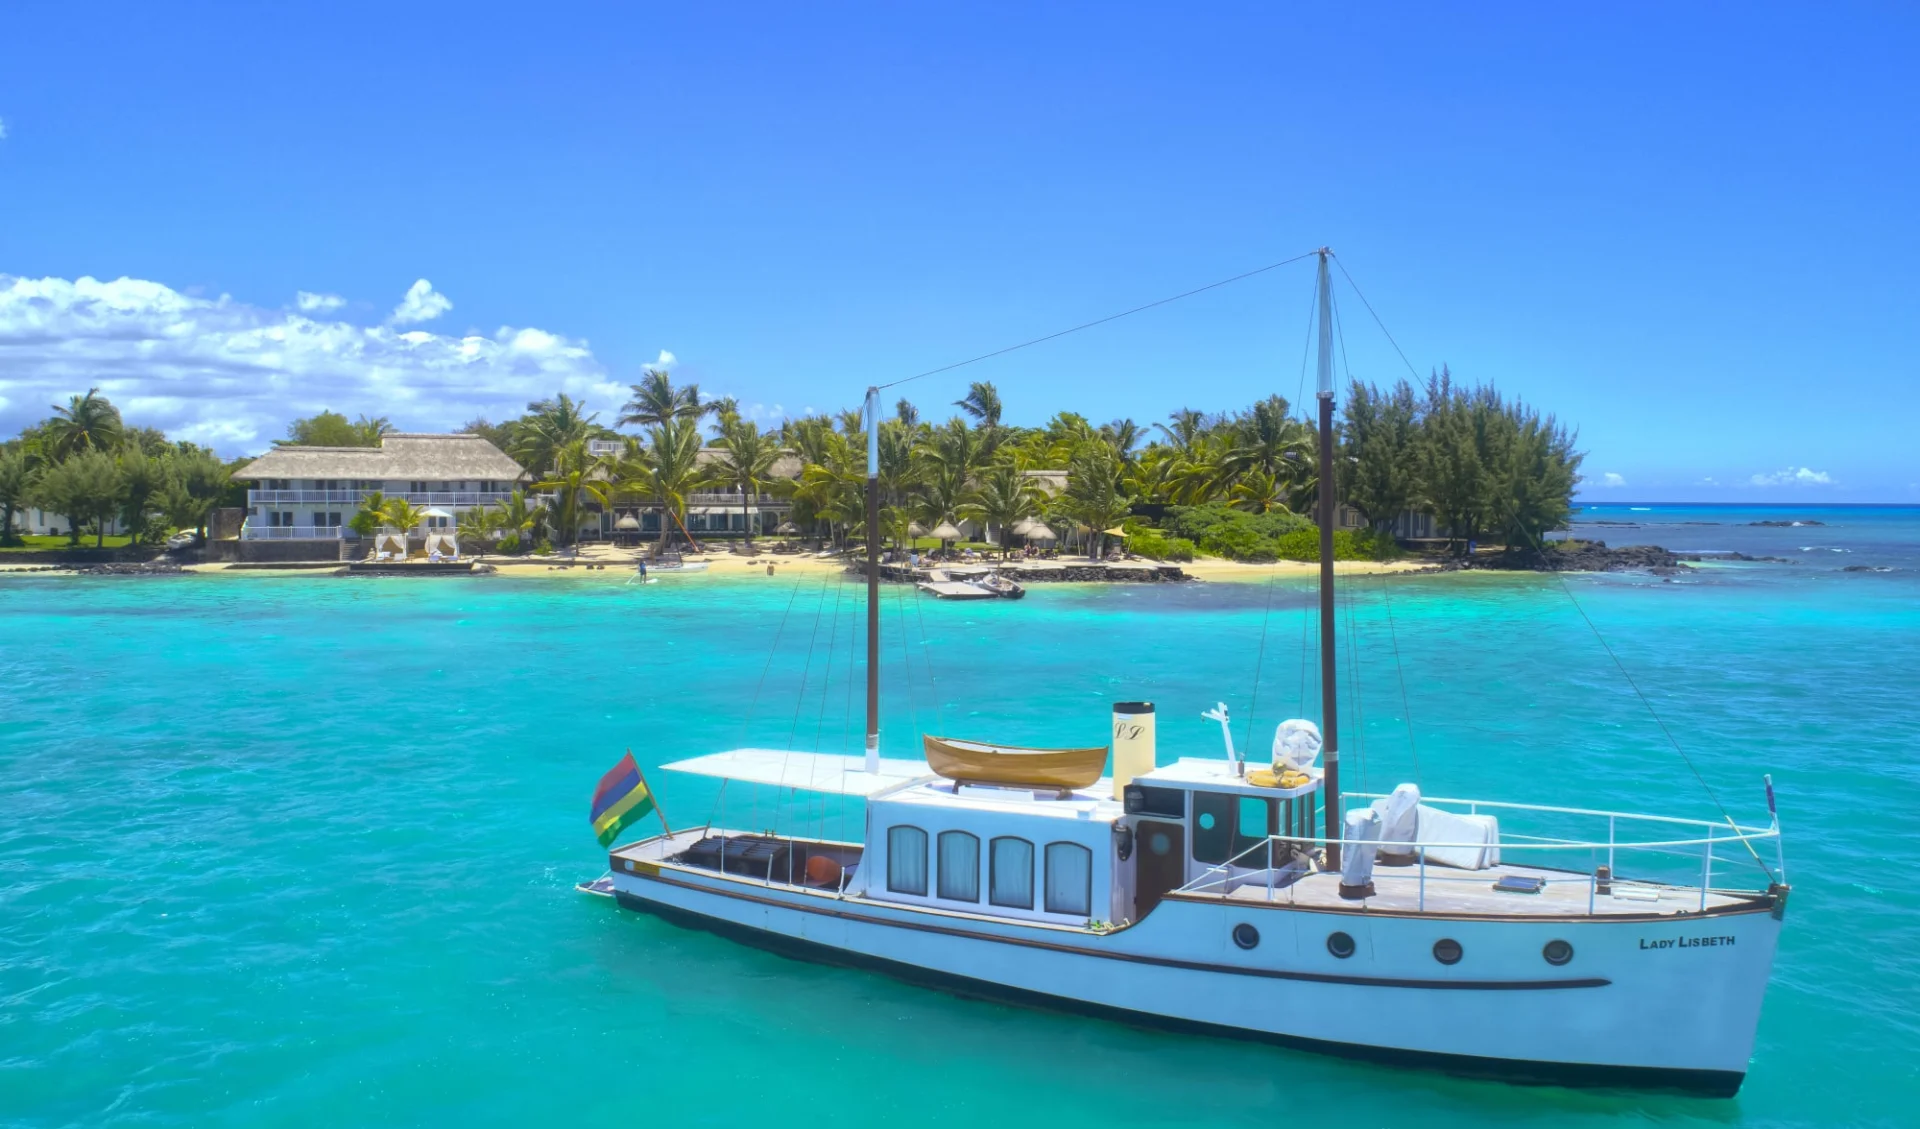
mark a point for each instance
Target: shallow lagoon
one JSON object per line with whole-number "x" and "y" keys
{"x": 296, "y": 850}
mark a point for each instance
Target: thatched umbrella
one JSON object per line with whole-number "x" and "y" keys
{"x": 946, "y": 531}
{"x": 627, "y": 522}
{"x": 786, "y": 528}
{"x": 915, "y": 529}
{"x": 1039, "y": 531}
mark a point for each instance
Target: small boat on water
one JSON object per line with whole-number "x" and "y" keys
{"x": 672, "y": 562}
{"x": 1004, "y": 587}
{"x": 975, "y": 762}
{"x": 940, "y": 584}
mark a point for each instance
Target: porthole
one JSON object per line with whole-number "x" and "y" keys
{"x": 1246, "y": 936}
{"x": 1340, "y": 945}
{"x": 1447, "y": 951}
{"x": 1557, "y": 952}
{"x": 1206, "y": 821}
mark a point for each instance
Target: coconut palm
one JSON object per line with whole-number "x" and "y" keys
{"x": 573, "y": 482}
{"x": 551, "y": 427}
{"x": 665, "y": 471}
{"x": 518, "y": 518}
{"x": 87, "y": 423}
{"x": 1004, "y": 498}
{"x": 1096, "y": 495}
{"x": 1259, "y": 492}
{"x": 400, "y": 514}
{"x": 745, "y": 463}
{"x": 656, "y": 401}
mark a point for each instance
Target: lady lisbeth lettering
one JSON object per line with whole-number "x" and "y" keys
{"x": 1684, "y": 942}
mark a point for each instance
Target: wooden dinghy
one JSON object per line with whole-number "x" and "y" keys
{"x": 975, "y": 762}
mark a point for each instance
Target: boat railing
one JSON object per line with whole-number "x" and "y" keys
{"x": 1247, "y": 865}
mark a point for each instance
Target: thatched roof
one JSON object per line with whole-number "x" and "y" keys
{"x": 400, "y": 455}
{"x": 788, "y": 465}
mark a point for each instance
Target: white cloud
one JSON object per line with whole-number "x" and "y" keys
{"x": 666, "y": 360}
{"x": 223, "y": 372}
{"x": 1709, "y": 481}
{"x": 1612, "y": 479}
{"x": 422, "y": 303}
{"x": 1791, "y": 476}
{"x": 312, "y": 303}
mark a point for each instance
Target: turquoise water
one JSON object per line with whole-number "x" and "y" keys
{"x": 286, "y": 850}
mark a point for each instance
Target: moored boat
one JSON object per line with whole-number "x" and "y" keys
{"x": 1527, "y": 942}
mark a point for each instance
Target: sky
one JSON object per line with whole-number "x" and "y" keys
{"x": 1687, "y": 230}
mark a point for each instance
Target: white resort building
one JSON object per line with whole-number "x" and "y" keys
{"x": 303, "y": 497}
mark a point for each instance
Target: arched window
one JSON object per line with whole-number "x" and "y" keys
{"x": 1069, "y": 879}
{"x": 959, "y": 866}
{"x": 907, "y": 860}
{"x": 1011, "y": 883}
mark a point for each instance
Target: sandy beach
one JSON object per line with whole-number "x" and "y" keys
{"x": 594, "y": 561}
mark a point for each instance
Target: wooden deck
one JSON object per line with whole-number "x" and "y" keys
{"x": 1449, "y": 891}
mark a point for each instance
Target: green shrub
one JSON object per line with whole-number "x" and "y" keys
{"x": 509, "y": 544}
{"x": 1178, "y": 549}
{"x": 1150, "y": 542}
{"x": 1304, "y": 545}
{"x": 544, "y": 548}
{"x": 1237, "y": 541}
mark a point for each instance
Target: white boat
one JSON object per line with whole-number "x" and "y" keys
{"x": 1525, "y": 942}
{"x": 941, "y": 585}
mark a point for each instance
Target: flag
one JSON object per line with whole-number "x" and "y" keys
{"x": 621, "y": 799}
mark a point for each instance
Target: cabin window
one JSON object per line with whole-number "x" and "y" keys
{"x": 1069, "y": 879}
{"x": 907, "y": 860}
{"x": 1143, "y": 799}
{"x": 959, "y": 867}
{"x": 1011, "y": 883}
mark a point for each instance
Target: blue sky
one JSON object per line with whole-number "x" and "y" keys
{"x": 1688, "y": 229}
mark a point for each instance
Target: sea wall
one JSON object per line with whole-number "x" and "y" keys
{"x": 1043, "y": 573}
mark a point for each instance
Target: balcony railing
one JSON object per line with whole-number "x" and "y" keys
{"x": 252, "y": 532}
{"x": 354, "y": 497}
{"x": 762, "y": 500}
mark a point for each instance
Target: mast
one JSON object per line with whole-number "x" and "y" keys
{"x": 1329, "y": 702}
{"x": 873, "y": 579}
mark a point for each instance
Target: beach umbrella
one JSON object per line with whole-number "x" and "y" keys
{"x": 1038, "y": 531}
{"x": 436, "y": 511}
{"x": 1116, "y": 531}
{"x": 915, "y": 529}
{"x": 627, "y": 521}
{"x": 945, "y": 531}
{"x": 1020, "y": 527}
{"x": 786, "y": 527}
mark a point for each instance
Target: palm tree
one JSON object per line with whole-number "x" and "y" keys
{"x": 1004, "y": 498}
{"x": 665, "y": 471}
{"x": 1268, "y": 440}
{"x": 517, "y": 517}
{"x": 746, "y": 462}
{"x": 480, "y": 525}
{"x": 403, "y": 515}
{"x": 1183, "y": 429}
{"x": 551, "y": 427}
{"x": 656, "y": 401}
{"x": 87, "y": 423}
{"x": 1095, "y": 494}
{"x": 1259, "y": 492}
{"x": 573, "y": 483}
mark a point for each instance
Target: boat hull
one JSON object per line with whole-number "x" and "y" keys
{"x": 977, "y": 763}
{"x": 1659, "y": 1016}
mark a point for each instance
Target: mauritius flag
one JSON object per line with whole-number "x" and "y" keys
{"x": 621, "y": 799}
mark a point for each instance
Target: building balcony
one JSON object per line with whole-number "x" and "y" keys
{"x": 251, "y": 532}
{"x": 354, "y": 497}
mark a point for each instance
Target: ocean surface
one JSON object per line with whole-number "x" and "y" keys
{"x": 300, "y": 851}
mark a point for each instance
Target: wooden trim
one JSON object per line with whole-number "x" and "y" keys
{"x": 1133, "y": 958}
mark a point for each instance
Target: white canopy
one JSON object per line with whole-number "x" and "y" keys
{"x": 435, "y": 511}
{"x": 810, "y": 772}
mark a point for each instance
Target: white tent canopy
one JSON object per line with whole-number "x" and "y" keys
{"x": 809, "y": 772}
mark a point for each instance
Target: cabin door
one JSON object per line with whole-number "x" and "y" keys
{"x": 1160, "y": 854}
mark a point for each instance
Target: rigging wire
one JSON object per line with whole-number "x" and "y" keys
{"x": 1260, "y": 655}
{"x": 926, "y": 660}
{"x": 1655, "y": 714}
{"x": 1095, "y": 322}
{"x": 1376, "y": 317}
{"x": 772, "y": 652}
{"x": 1406, "y": 709}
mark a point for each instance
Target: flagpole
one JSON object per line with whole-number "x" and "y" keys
{"x": 653, "y": 795}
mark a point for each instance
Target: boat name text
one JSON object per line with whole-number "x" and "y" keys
{"x": 1684, "y": 942}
